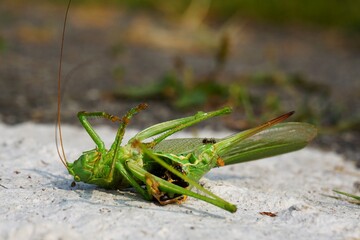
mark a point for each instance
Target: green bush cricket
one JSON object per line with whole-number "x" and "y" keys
{"x": 167, "y": 169}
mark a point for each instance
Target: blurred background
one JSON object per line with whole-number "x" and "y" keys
{"x": 263, "y": 58}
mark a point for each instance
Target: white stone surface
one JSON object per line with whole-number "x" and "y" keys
{"x": 37, "y": 202}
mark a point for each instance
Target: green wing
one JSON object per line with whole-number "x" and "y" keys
{"x": 279, "y": 139}
{"x": 179, "y": 145}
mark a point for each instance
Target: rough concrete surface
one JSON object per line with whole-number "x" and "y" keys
{"x": 38, "y": 202}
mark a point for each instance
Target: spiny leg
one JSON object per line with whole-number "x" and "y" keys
{"x": 170, "y": 127}
{"x": 124, "y": 122}
{"x": 171, "y": 188}
{"x": 164, "y": 186}
{"x": 83, "y": 118}
{"x": 120, "y": 134}
{"x": 213, "y": 199}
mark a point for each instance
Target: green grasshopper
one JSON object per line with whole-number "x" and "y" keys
{"x": 167, "y": 169}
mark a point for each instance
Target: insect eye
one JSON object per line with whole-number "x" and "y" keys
{"x": 77, "y": 178}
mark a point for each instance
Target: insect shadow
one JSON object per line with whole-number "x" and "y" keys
{"x": 214, "y": 176}
{"x": 86, "y": 193}
{"x": 127, "y": 199}
{"x": 129, "y": 196}
{"x": 55, "y": 180}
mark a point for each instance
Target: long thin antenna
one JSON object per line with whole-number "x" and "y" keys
{"x": 58, "y": 132}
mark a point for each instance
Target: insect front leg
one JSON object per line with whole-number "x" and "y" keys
{"x": 124, "y": 121}
{"x": 83, "y": 118}
{"x": 115, "y": 148}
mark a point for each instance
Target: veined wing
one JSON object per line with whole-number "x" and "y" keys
{"x": 279, "y": 139}
{"x": 179, "y": 145}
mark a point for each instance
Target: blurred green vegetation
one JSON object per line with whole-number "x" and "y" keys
{"x": 329, "y": 13}
{"x": 259, "y": 95}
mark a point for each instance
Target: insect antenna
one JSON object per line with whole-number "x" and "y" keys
{"x": 58, "y": 132}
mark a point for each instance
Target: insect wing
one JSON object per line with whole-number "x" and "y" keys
{"x": 279, "y": 139}
{"x": 179, "y": 145}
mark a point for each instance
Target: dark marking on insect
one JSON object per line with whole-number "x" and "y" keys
{"x": 170, "y": 177}
{"x": 166, "y": 198}
{"x": 73, "y": 184}
{"x": 270, "y": 214}
{"x": 208, "y": 141}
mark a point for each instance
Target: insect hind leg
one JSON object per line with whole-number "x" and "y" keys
{"x": 168, "y": 128}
